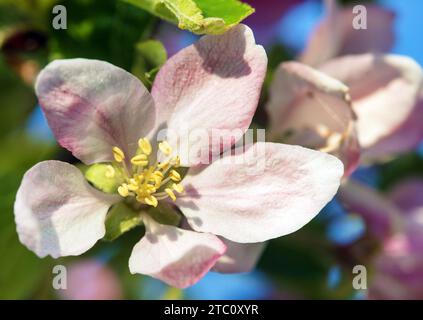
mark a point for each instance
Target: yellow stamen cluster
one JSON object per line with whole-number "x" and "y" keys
{"x": 148, "y": 183}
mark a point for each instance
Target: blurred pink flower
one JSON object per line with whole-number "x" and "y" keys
{"x": 309, "y": 108}
{"x": 386, "y": 96}
{"x": 335, "y": 36}
{"x": 367, "y": 105}
{"x": 396, "y": 220}
{"x": 90, "y": 279}
{"x": 99, "y": 112}
{"x": 363, "y": 106}
{"x": 399, "y": 267}
{"x": 378, "y": 211}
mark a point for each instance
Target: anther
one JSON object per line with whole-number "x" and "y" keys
{"x": 178, "y": 187}
{"x": 175, "y": 176}
{"x": 151, "y": 200}
{"x": 140, "y": 160}
{"x": 170, "y": 194}
{"x": 145, "y": 146}
{"x": 123, "y": 190}
{"x": 118, "y": 154}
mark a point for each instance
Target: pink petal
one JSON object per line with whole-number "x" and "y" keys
{"x": 309, "y": 108}
{"x": 405, "y": 138}
{"x": 57, "y": 212}
{"x": 399, "y": 266}
{"x": 397, "y": 278}
{"x": 213, "y": 84}
{"x": 176, "y": 256}
{"x": 92, "y": 106}
{"x": 376, "y": 209}
{"x": 384, "y": 91}
{"x": 239, "y": 257}
{"x": 268, "y": 191}
{"x": 335, "y": 35}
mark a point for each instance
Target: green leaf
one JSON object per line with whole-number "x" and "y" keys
{"x": 96, "y": 174}
{"x": 198, "y": 16}
{"x": 150, "y": 55}
{"x": 120, "y": 219}
{"x": 21, "y": 270}
{"x": 16, "y": 99}
{"x": 101, "y": 29}
{"x": 123, "y": 218}
{"x": 22, "y": 153}
{"x": 165, "y": 214}
{"x": 153, "y": 53}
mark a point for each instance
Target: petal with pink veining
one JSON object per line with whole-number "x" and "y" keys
{"x": 268, "y": 191}
{"x": 92, "y": 105}
{"x": 176, "y": 256}
{"x": 213, "y": 84}
{"x": 57, "y": 212}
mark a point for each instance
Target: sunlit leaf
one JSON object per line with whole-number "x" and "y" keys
{"x": 198, "y": 16}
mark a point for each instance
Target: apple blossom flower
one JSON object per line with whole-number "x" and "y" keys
{"x": 377, "y": 82}
{"x": 360, "y": 105}
{"x": 387, "y": 97}
{"x": 102, "y": 114}
{"x": 384, "y": 91}
{"x": 309, "y": 108}
{"x": 396, "y": 219}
